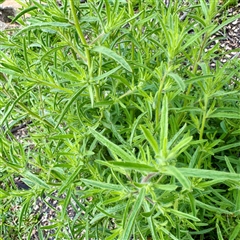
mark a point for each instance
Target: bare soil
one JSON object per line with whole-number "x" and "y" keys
{"x": 10, "y": 3}
{"x": 8, "y": 10}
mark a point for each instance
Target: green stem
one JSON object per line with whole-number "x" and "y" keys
{"x": 84, "y": 42}
{"x": 78, "y": 27}
{"x": 202, "y": 47}
{"x": 159, "y": 98}
{"x": 204, "y": 118}
{"x": 203, "y": 125}
{"x": 195, "y": 65}
{"x": 80, "y": 34}
{"x": 68, "y": 41}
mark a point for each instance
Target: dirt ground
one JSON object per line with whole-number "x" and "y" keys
{"x": 8, "y": 9}
{"x": 10, "y": 3}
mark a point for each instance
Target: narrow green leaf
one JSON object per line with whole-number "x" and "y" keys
{"x": 49, "y": 83}
{"x": 211, "y": 208}
{"x": 106, "y": 74}
{"x": 192, "y": 203}
{"x": 25, "y": 53}
{"x": 91, "y": 94}
{"x": 111, "y": 54}
{"x": 26, "y": 10}
{"x": 53, "y": 50}
{"x": 112, "y": 167}
{"x": 103, "y": 185}
{"x": 3, "y": 194}
{"x": 151, "y": 140}
{"x": 61, "y": 136}
{"x": 23, "y": 213}
{"x": 229, "y": 20}
{"x": 103, "y": 104}
{"x": 66, "y": 202}
{"x": 178, "y": 80}
{"x": 52, "y": 226}
{"x": 67, "y": 106}
{"x": 194, "y": 157}
{"x": 207, "y": 184}
{"x": 113, "y": 147}
{"x": 224, "y": 115}
{"x": 197, "y": 78}
{"x": 171, "y": 170}
{"x": 131, "y": 166}
{"x": 108, "y": 124}
{"x": 211, "y": 174}
{"x": 164, "y": 123}
{"x": 131, "y": 220}
{"x": 166, "y": 31}
{"x": 219, "y": 233}
{"x": 115, "y": 234}
{"x": 4, "y": 70}
{"x": 64, "y": 75}
{"x": 164, "y": 229}
{"x": 221, "y": 197}
{"x": 237, "y": 132}
{"x": 70, "y": 179}
{"x": 229, "y": 109}
{"x": 229, "y": 165}
{"x": 34, "y": 115}
{"x": 237, "y": 204}
{"x": 135, "y": 125}
{"x": 43, "y": 25}
{"x": 222, "y": 93}
{"x": 150, "y": 220}
{"x": 176, "y": 136}
{"x": 102, "y": 210}
{"x": 22, "y": 193}
{"x": 204, "y": 8}
{"x": 181, "y": 145}
{"x": 165, "y": 187}
{"x": 184, "y": 215}
{"x": 33, "y": 178}
{"x": 15, "y": 69}
{"x": 202, "y": 232}
{"x": 229, "y": 146}
{"x": 195, "y": 37}
{"x": 111, "y": 210}
{"x": 9, "y": 110}
{"x": 188, "y": 109}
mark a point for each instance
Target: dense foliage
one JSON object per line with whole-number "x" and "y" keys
{"x": 126, "y": 119}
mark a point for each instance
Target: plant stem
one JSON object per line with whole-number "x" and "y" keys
{"x": 196, "y": 63}
{"x": 80, "y": 34}
{"x": 159, "y": 97}
{"x": 203, "y": 118}
{"x": 84, "y": 42}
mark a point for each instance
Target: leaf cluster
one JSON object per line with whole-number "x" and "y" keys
{"x": 127, "y": 120}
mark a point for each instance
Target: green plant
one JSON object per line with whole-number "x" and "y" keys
{"x": 129, "y": 121}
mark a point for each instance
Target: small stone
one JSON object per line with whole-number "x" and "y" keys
{"x": 6, "y": 13}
